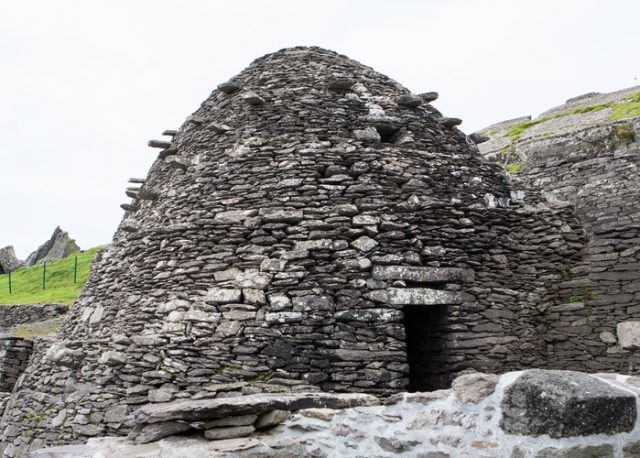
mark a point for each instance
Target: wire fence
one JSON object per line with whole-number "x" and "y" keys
{"x": 43, "y": 280}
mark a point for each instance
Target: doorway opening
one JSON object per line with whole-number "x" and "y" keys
{"x": 426, "y": 351}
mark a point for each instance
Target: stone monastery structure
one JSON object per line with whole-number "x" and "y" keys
{"x": 315, "y": 226}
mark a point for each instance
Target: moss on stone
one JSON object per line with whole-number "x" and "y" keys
{"x": 515, "y": 167}
{"x": 625, "y": 132}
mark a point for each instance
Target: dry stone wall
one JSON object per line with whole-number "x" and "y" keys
{"x": 594, "y": 167}
{"x": 312, "y": 226}
{"x": 14, "y": 355}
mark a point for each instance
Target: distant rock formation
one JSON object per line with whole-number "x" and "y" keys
{"x": 8, "y": 260}
{"x": 59, "y": 246}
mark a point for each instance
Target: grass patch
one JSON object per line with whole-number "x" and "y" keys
{"x": 515, "y": 167}
{"x": 26, "y": 283}
{"x": 517, "y": 130}
{"x": 39, "y": 328}
{"x": 628, "y": 108}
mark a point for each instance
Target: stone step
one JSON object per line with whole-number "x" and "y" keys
{"x": 137, "y": 180}
{"x": 170, "y": 133}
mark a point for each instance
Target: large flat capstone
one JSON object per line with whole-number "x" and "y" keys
{"x": 414, "y": 296}
{"x": 423, "y": 274}
{"x": 565, "y": 404}
{"x": 255, "y": 404}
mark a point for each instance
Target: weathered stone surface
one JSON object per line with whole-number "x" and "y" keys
{"x": 368, "y": 134}
{"x": 224, "y": 295}
{"x": 231, "y": 432}
{"x": 209, "y": 409}
{"x": 423, "y": 274}
{"x": 156, "y": 431}
{"x": 565, "y": 404}
{"x": 629, "y": 334}
{"x": 591, "y": 451}
{"x": 8, "y": 260}
{"x": 414, "y": 296}
{"x": 271, "y": 419}
{"x": 113, "y": 358}
{"x": 473, "y": 388}
{"x": 60, "y": 355}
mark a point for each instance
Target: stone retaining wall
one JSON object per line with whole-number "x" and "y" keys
{"x": 12, "y": 315}
{"x": 535, "y": 414}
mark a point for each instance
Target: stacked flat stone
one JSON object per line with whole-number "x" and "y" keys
{"x": 14, "y": 356}
{"x": 326, "y": 230}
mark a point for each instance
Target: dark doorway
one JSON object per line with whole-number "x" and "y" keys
{"x": 426, "y": 353}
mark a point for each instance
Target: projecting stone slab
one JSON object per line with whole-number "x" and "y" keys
{"x": 414, "y": 296}
{"x": 255, "y": 404}
{"x": 565, "y": 404}
{"x": 423, "y": 274}
{"x": 629, "y": 334}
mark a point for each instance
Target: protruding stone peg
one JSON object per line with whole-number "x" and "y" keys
{"x": 409, "y": 101}
{"x": 159, "y": 144}
{"x": 229, "y": 87}
{"x": 340, "y": 84}
{"x": 451, "y": 122}
{"x": 170, "y": 133}
{"x": 218, "y": 128}
{"x": 429, "y": 96}
{"x": 252, "y": 98}
{"x": 478, "y": 138}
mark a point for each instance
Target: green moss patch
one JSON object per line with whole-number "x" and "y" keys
{"x": 515, "y": 167}
{"x": 628, "y": 108}
{"x": 625, "y": 132}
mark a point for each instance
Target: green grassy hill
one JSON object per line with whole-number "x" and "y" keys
{"x": 26, "y": 283}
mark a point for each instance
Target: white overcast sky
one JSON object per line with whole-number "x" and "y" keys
{"x": 85, "y": 83}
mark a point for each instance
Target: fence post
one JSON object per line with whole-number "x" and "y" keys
{"x": 9, "y": 282}
{"x": 75, "y": 270}
{"x": 44, "y": 275}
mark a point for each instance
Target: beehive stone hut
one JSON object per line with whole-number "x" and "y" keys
{"x": 312, "y": 226}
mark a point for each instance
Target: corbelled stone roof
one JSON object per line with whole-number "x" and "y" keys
{"x": 312, "y": 226}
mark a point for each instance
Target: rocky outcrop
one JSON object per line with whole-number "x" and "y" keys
{"x": 8, "y": 260}
{"x": 59, "y": 246}
{"x": 424, "y": 425}
{"x": 566, "y": 404}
